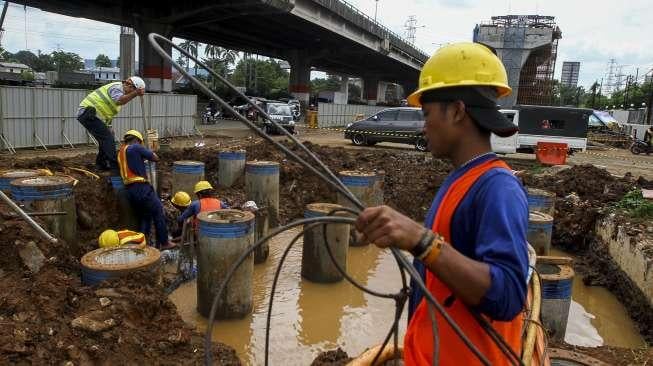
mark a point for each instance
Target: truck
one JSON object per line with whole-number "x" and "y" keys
{"x": 544, "y": 124}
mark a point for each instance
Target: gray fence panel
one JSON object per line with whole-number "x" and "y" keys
{"x": 18, "y": 127}
{"x": 338, "y": 115}
{"x": 51, "y": 115}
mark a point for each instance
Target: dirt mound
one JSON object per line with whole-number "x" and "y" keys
{"x": 332, "y": 358}
{"x": 583, "y": 193}
{"x": 51, "y": 318}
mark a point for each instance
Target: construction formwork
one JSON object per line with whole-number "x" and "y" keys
{"x": 527, "y": 45}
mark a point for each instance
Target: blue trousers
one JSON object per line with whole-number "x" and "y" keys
{"x": 106, "y": 156}
{"x": 148, "y": 208}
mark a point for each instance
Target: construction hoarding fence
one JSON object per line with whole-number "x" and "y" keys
{"x": 339, "y": 115}
{"x": 47, "y": 117}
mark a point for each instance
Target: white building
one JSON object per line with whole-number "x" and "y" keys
{"x": 13, "y": 67}
{"x": 106, "y": 74}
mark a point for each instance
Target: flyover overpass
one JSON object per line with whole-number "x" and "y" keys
{"x": 329, "y": 35}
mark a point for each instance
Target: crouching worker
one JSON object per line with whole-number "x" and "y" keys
{"x": 206, "y": 201}
{"x": 140, "y": 193}
{"x": 173, "y": 208}
{"x": 112, "y": 238}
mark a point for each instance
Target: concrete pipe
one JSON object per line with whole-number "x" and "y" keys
{"x": 317, "y": 265}
{"x": 224, "y": 236}
{"x": 541, "y": 201}
{"x": 185, "y": 174}
{"x": 557, "y": 280}
{"x": 109, "y": 263}
{"x": 262, "y": 187}
{"x": 538, "y": 234}
{"x": 128, "y": 218}
{"x": 7, "y": 176}
{"x": 366, "y": 186}
{"x": 50, "y": 194}
{"x": 231, "y": 166}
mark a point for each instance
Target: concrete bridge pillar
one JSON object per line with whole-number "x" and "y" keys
{"x": 300, "y": 76}
{"x": 156, "y": 72}
{"x": 371, "y": 89}
{"x": 344, "y": 87}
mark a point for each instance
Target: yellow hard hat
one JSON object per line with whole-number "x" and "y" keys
{"x": 202, "y": 185}
{"x": 135, "y": 134}
{"x": 108, "y": 239}
{"x": 461, "y": 64}
{"x": 181, "y": 198}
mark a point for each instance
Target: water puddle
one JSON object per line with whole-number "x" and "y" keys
{"x": 596, "y": 317}
{"x": 307, "y": 318}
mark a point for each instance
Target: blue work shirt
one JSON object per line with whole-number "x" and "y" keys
{"x": 136, "y": 156}
{"x": 489, "y": 226}
{"x": 194, "y": 209}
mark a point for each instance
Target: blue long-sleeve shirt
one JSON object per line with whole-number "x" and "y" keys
{"x": 489, "y": 225}
{"x": 194, "y": 209}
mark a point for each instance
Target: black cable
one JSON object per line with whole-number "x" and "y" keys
{"x": 208, "y": 356}
{"x": 274, "y": 286}
{"x": 329, "y": 178}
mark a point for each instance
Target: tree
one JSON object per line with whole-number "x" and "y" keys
{"x": 3, "y": 54}
{"x": 27, "y": 75}
{"x": 223, "y": 54}
{"x": 102, "y": 61}
{"x": 331, "y": 83}
{"x": 190, "y": 47}
{"x": 66, "y": 61}
{"x": 261, "y": 77}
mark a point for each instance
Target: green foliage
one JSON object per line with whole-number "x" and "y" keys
{"x": 636, "y": 205}
{"x": 27, "y": 75}
{"x": 332, "y": 83}
{"x": 102, "y": 61}
{"x": 261, "y": 77}
{"x": 66, "y": 61}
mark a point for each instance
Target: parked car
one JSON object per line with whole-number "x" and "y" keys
{"x": 403, "y": 125}
{"x": 280, "y": 112}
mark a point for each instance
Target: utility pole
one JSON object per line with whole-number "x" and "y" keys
{"x": 2, "y": 20}
{"x": 376, "y": 9}
{"x": 626, "y": 91}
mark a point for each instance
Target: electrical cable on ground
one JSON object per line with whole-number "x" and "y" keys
{"x": 328, "y": 177}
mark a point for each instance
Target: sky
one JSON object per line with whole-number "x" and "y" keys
{"x": 593, "y": 31}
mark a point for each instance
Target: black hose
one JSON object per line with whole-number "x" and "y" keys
{"x": 329, "y": 178}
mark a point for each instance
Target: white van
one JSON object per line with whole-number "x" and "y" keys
{"x": 506, "y": 145}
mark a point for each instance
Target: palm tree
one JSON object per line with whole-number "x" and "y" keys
{"x": 223, "y": 54}
{"x": 190, "y": 47}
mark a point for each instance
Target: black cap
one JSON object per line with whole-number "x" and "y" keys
{"x": 480, "y": 103}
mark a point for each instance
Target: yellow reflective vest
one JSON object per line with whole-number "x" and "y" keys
{"x": 100, "y": 99}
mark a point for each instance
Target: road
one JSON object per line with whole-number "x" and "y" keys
{"x": 616, "y": 161}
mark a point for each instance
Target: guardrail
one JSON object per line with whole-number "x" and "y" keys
{"x": 45, "y": 117}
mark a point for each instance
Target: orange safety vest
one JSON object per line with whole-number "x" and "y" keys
{"x": 207, "y": 204}
{"x": 128, "y": 176}
{"x": 131, "y": 237}
{"x": 418, "y": 342}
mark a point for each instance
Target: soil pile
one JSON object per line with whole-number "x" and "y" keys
{"x": 49, "y": 317}
{"x": 583, "y": 193}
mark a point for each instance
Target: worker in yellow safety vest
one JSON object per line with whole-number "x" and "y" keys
{"x": 98, "y": 109}
{"x": 112, "y": 238}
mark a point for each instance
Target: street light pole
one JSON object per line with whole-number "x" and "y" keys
{"x": 376, "y": 8}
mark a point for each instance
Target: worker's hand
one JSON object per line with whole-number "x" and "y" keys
{"x": 140, "y": 91}
{"x": 386, "y": 227}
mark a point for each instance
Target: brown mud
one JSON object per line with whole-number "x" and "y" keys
{"x": 32, "y": 305}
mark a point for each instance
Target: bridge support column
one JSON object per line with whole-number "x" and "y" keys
{"x": 344, "y": 88}
{"x": 156, "y": 72}
{"x": 371, "y": 89}
{"x": 300, "y": 77}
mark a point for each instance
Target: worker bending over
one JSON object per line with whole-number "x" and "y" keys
{"x": 206, "y": 201}
{"x": 111, "y": 238}
{"x": 97, "y": 110}
{"x": 473, "y": 252}
{"x": 173, "y": 208}
{"x": 140, "y": 193}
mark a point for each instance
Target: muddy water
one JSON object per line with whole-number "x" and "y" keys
{"x": 597, "y": 310}
{"x": 307, "y": 318}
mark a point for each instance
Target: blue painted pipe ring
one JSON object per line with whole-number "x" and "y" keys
{"x": 225, "y": 224}
{"x": 107, "y": 263}
{"x": 232, "y": 155}
{"x": 262, "y": 167}
{"x": 42, "y": 188}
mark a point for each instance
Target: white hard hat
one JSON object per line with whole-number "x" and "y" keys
{"x": 138, "y": 82}
{"x": 250, "y": 205}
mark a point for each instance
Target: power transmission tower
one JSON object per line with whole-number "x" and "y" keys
{"x": 609, "y": 79}
{"x": 411, "y": 28}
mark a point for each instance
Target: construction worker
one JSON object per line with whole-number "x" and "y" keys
{"x": 98, "y": 109}
{"x": 140, "y": 193}
{"x": 648, "y": 136}
{"x": 173, "y": 208}
{"x": 206, "y": 201}
{"x": 111, "y": 238}
{"x": 472, "y": 252}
